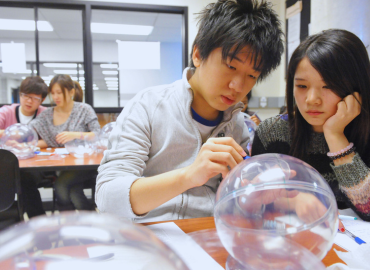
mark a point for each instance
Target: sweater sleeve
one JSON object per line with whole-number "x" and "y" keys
{"x": 91, "y": 120}
{"x": 354, "y": 181}
{"x": 41, "y": 124}
{"x": 124, "y": 162}
{"x": 272, "y": 136}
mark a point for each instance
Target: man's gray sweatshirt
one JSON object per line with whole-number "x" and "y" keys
{"x": 155, "y": 133}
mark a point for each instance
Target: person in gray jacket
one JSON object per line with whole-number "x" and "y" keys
{"x": 172, "y": 144}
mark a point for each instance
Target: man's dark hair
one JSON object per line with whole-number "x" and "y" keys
{"x": 34, "y": 85}
{"x": 234, "y": 24}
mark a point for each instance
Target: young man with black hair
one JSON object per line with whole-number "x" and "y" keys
{"x": 32, "y": 93}
{"x": 172, "y": 143}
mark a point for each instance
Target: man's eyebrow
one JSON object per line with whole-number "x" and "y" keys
{"x": 299, "y": 79}
{"x": 232, "y": 57}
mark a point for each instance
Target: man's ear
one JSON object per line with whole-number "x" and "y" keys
{"x": 197, "y": 60}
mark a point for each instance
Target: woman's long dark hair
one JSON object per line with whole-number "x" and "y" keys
{"x": 342, "y": 61}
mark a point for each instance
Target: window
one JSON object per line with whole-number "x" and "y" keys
{"x": 123, "y": 47}
{"x": 17, "y": 27}
{"x": 88, "y": 41}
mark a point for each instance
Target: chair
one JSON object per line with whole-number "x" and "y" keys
{"x": 11, "y": 210}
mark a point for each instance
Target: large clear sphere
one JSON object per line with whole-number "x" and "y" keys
{"x": 84, "y": 241}
{"x": 20, "y": 139}
{"x": 274, "y": 211}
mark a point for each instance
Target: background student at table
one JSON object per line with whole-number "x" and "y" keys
{"x": 248, "y": 113}
{"x": 173, "y": 142}
{"x": 32, "y": 93}
{"x": 68, "y": 120}
{"x": 328, "y": 101}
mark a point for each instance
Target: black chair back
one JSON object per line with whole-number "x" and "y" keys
{"x": 10, "y": 185}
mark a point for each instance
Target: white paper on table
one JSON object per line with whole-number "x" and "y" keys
{"x": 185, "y": 247}
{"x": 359, "y": 228}
{"x": 44, "y": 154}
{"x": 61, "y": 151}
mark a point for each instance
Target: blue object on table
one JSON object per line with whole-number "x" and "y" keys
{"x": 354, "y": 237}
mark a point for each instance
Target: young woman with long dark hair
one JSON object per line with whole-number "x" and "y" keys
{"x": 328, "y": 101}
{"x": 70, "y": 119}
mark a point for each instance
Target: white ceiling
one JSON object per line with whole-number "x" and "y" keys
{"x": 67, "y": 24}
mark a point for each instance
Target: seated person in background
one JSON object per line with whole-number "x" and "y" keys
{"x": 251, "y": 115}
{"x": 328, "y": 98}
{"x": 172, "y": 143}
{"x": 68, "y": 120}
{"x": 32, "y": 93}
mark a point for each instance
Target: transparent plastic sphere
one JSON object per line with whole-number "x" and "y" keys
{"x": 104, "y": 135}
{"x": 20, "y": 139}
{"x": 273, "y": 211}
{"x": 84, "y": 240}
{"x": 79, "y": 148}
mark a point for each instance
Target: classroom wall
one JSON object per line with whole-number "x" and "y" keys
{"x": 343, "y": 14}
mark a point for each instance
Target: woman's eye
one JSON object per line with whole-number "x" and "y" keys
{"x": 301, "y": 86}
{"x": 231, "y": 67}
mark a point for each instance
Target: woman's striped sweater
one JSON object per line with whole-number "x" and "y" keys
{"x": 349, "y": 182}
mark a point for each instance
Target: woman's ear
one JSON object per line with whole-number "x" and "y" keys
{"x": 196, "y": 57}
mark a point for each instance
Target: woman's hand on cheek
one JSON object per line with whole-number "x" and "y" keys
{"x": 347, "y": 110}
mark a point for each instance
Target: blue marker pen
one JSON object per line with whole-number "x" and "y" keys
{"x": 354, "y": 237}
{"x": 246, "y": 157}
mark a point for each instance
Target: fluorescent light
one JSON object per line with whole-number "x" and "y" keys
{"x": 110, "y": 72}
{"x": 28, "y": 71}
{"x": 111, "y": 79}
{"x": 23, "y": 77}
{"x": 121, "y": 29}
{"x": 95, "y": 88}
{"x": 68, "y": 71}
{"x": 25, "y": 25}
{"x": 108, "y": 65}
{"x": 60, "y": 65}
{"x": 111, "y": 82}
{"x": 112, "y": 88}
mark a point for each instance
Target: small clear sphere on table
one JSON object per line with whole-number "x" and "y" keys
{"x": 260, "y": 218}
{"x": 84, "y": 240}
{"x": 102, "y": 143}
{"x": 20, "y": 139}
{"x": 79, "y": 148}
